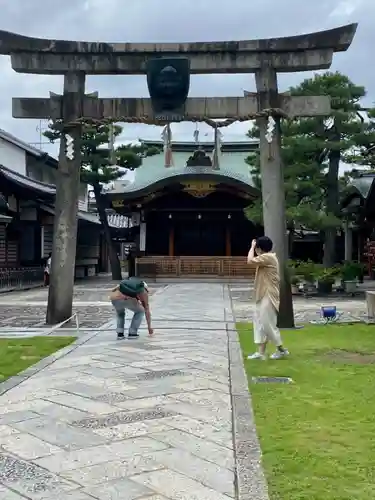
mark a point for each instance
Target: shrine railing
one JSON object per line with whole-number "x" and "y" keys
{"x": 20, "y": 278}
{"x": 193, "y": 266}
{"x": 369, "y": 256}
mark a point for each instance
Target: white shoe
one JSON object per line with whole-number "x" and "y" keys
{"x": 280, "y": 355}
{"x": 257, "y": 355}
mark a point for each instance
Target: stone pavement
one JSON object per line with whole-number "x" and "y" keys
{"x": 158, "y": 418}
{"x": 23, "y": 313}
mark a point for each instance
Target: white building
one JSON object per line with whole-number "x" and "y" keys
{"x": 27, "y": 180}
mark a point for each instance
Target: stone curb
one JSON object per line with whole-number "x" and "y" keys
{"x": 43, "y": 363}
{"x": 250, "y": 482}
{"x": 23, "y": 289}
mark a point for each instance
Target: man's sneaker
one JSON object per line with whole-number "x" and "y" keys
{"x": 120, "y": 336}
{"x": 257, "y": 355}
{"x": 280, "y": 354}
{"x": 133, "y": 336}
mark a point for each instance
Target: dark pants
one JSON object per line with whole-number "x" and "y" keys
{"x": 131, "y": 267}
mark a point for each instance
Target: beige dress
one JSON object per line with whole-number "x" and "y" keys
{"x": 267, "y": 299}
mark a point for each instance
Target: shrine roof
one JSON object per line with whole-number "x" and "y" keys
{"x": 177, "y": 174}
{"x": 232, "y": 167}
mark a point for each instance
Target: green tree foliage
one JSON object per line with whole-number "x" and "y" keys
{"x": 312, "y": 150}
{"x": 101, "y": 165}
{"x": 304, "y": 182}
{"x": 362, "y": 155}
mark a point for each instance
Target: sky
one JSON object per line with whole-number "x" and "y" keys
{"x": 176, "y": 21}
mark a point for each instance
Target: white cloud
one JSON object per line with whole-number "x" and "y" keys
{"x": 346, "y": 8}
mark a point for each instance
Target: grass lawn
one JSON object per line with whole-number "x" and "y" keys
{"x": 318, "y": 434}
{"x": 18, "y": 354}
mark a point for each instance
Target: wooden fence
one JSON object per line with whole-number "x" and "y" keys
{"x": 194, "y": 267}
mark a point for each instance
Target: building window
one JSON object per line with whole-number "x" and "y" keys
{"x": 34, "y": 173}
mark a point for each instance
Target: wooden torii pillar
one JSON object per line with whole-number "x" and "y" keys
{"x": 76, "y": 59}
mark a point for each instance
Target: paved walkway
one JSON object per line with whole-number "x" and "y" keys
{"x": 151, "y": 419}
{"x": 23, "y": 313}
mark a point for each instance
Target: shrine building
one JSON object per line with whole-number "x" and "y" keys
{"x": 191, "y": 214}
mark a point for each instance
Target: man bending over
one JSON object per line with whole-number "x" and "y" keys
{"x": 267, "y": 298}
{"x": 131, "y": 294}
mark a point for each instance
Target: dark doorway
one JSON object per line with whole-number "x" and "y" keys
{"x": 200, "y": 238}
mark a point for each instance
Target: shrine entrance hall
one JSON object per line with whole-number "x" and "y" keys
{"x": 185, "y": 223}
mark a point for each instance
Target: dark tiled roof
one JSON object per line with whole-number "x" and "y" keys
{"x": 5, "y": 219}
{"x": 114, "y": 220}
{"x": 27, "y": 182}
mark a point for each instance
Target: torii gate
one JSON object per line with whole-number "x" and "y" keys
{"x": 75, "y": 60}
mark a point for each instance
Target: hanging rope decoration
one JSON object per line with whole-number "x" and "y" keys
{"x": 266, "y": 113}
{"x": 196, "y": 134}
{"x": 217, "y": 147}
{"x": 271, "y": 125}
{"x": 69, "y": 147}
{"x": 166, "y": 135}
{"x": 111, "y": 144}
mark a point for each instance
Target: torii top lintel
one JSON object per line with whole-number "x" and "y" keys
{"x": 38, "y": 55}
{"x": 338, "y": 39}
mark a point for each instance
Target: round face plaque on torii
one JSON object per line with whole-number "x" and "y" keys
{"x": 168, "y": 81}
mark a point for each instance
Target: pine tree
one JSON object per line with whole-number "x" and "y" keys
{"x": 304, "y": 185}
{"x": 362, "y": 155}
{"x": 312, "y": 149}
{"x": 101, "y": 165}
